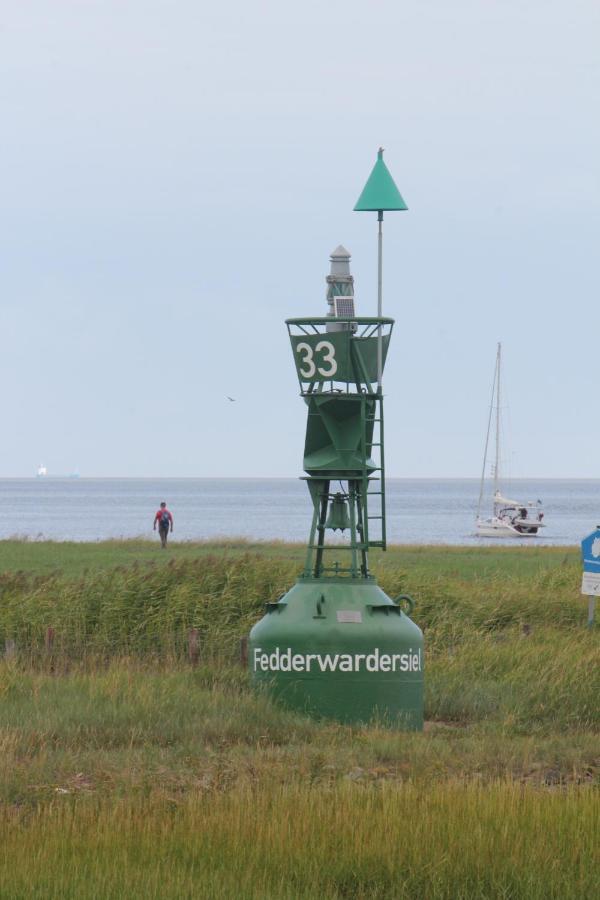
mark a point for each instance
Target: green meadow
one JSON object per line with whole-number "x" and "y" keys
{"x": 129, "y": 769}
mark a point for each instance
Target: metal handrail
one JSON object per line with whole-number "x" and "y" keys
{"x": 329, "y": 320}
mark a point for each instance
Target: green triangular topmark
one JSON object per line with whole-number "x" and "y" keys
{"x": 380, "y": 191}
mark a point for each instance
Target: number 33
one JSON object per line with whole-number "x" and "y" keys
{"x": 308, "y": 366}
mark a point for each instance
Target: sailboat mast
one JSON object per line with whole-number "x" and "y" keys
{"x": 487, "y": 440}
{"x": 497, "y": 464}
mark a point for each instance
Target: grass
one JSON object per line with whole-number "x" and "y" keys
{"x": 73, "y": 558}
{"x": 124, "y": 771}
{"x": 448, "y": 841}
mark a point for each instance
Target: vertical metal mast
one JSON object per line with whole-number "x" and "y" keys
{"x": 487, "y": 438}
{"x": 380, "y": 193}
{"x": 379, "y": 299}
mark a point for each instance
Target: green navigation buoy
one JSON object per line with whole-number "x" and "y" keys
{"x": 335, "y": 644}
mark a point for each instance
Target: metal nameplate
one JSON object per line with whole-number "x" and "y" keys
{"x": 349, "y": 615}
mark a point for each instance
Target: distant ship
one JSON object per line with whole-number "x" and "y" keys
{"x": 42, "y": 471}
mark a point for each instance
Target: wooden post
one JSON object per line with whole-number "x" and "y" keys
{"x": 244, "y": 651}
{"x": 193, "y": 647}
{"x": 49, "y": 639}
{"x": 10, "y": 648}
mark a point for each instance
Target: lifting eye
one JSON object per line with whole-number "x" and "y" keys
{"x": 404, "y": 598}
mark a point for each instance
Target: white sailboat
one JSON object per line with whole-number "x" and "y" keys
{"x": 510, "y": 518}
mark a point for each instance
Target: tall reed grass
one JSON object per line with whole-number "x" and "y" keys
{"x": 480, "y": 663}
{"x": 149, "y": 609}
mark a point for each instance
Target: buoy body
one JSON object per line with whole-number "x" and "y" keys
{"x": 342, "y": 650}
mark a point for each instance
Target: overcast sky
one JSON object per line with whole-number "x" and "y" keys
{"x": 174, "y": 174}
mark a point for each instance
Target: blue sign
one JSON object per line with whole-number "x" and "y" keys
{"x": 590, "y": 552}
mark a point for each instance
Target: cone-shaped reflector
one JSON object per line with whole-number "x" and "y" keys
{"x": 380, "y": 191}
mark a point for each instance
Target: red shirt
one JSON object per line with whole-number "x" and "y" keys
{"x": 159, "y": 515}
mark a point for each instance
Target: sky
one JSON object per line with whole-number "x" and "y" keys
{"x": 175, "y": 173}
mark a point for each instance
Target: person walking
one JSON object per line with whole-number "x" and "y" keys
{"x": 164, "y": 520}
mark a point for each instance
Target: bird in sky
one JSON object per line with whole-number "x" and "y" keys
{"x": 232, "y": 399}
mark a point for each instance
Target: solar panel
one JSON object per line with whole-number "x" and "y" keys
{"x": 344, "y": 306}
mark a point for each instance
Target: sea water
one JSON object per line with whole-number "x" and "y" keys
{"x": 419, "y": 511}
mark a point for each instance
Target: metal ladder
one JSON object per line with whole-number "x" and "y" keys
{"x": 377, "y": 420}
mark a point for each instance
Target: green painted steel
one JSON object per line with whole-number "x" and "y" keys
{"x": 380, "y": 191}
{"x": 334, "y": 435}
{"x": 335, "y": 645}
{"x": 344, "y": 433}
{"x": 338, "y": 356}
{"x": 342, "y": 650}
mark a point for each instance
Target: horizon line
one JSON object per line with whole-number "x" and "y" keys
{"x": 472, "y": 478}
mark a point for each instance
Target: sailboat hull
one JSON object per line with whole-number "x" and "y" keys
{"x": 498, "y": 528}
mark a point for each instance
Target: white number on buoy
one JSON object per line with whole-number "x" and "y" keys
{"x": 308, "y": 367}
{"x": 328, "y": 357}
